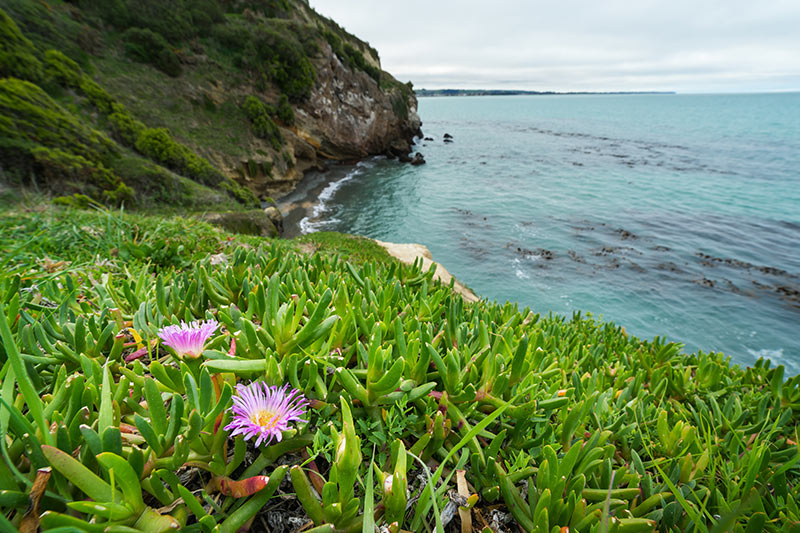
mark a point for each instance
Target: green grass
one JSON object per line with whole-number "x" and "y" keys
{"x": 221, "y": 129}
{"x": 350, "y": 247}
{"x": 33, "y": 238}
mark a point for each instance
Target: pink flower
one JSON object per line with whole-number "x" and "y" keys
{"x": 188, "y": 340}
{"x": 265, "y": 412}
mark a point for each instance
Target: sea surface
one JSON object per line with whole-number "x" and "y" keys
{"x": 673, "y": 215}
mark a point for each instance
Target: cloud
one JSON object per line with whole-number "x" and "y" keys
{"x": 706, "y": 45}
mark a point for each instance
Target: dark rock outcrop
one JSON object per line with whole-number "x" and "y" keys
{"x": 418, "y": 159}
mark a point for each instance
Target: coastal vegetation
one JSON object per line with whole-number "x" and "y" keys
{"x": 423, "y": 412}
{"x": 160, "y": 373}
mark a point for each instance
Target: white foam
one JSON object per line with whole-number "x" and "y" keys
{"x": 315, "y": 222}
{"x": 766, "y": 353}
{"x": 518, "y": 271}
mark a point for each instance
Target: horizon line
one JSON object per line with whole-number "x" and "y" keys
{"x": 522, "y": 92}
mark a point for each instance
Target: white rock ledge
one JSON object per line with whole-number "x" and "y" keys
{"x": 408, "y": 252}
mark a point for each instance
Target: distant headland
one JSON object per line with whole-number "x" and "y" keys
{"x": 501, "y": 92}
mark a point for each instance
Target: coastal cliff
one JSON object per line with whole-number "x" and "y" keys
{"x": 212, "y": 104}
{"x": 346, "y": 116}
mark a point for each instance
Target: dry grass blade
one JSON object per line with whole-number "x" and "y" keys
{"x": 30, "y": 522}
{"x": 463, "y": 490}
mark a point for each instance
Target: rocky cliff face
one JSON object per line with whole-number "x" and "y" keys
{"x": 347, "y": 116}
{"x": 350, "y": 116}
{"x": 353, "y": 110}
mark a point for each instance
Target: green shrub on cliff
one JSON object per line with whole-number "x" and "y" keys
{"x": 159, "y": 145}
{"x": 164, "y": 189}
{"x": 263, "y": 126}
{"x": 126, "y": 128}
{"x": 356, "y": 59}
{"x": 62, "y": 69}
{"x": 49, "y": 26}
{"x": 238, "y": 192}
{"x": 36, "y": 119}
{"x": 329, "y": 27}
{"x": 44, "y": 145}
{"x": 267, "y": 8}
{"x": 349, "y": 55}
{"x": 276, "y": 54}
{"x": 174, "y": 20}
{"x": 146, "y": 46}
{"x": 233, "y": 35}
{"x": 17, "y": 54}
{"x": 98, "y": 96}
{"x": 285, "y": 112}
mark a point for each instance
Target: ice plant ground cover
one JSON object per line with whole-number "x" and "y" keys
{"x": 424, "y": 413}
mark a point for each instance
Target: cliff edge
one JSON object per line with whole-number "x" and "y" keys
{"x": 410, "y": 252}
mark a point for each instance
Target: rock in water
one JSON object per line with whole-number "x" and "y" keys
{"x": 418, "y": 159}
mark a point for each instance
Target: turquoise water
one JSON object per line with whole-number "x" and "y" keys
{"x": 672, "y": 215}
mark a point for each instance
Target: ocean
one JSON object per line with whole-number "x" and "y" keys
{"x": 672, "y": 215}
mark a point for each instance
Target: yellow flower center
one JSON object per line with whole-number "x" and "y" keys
{"x": 265, "y": 419}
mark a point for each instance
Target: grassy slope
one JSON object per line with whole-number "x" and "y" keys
{"x": 64, "y": 132}
{"x": 560, "y": 409}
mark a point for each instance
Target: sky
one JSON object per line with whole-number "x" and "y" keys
{"x": 581, "y": 45}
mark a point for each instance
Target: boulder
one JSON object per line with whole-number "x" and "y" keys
{"x": 448, "y": 136}
{"x": 418, "y": 159}
{"x": 276, "y": 217}
{"x": 254, "y": 222}
{"x": 428, "y": 139}
{"x": 404, "y": 158}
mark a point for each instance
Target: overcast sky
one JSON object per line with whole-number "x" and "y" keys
{"x": 576, "y": 45}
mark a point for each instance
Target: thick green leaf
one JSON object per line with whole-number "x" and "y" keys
{"x": 83, "y": 478}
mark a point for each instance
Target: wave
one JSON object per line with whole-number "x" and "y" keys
{"x": 316, "y": 221}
